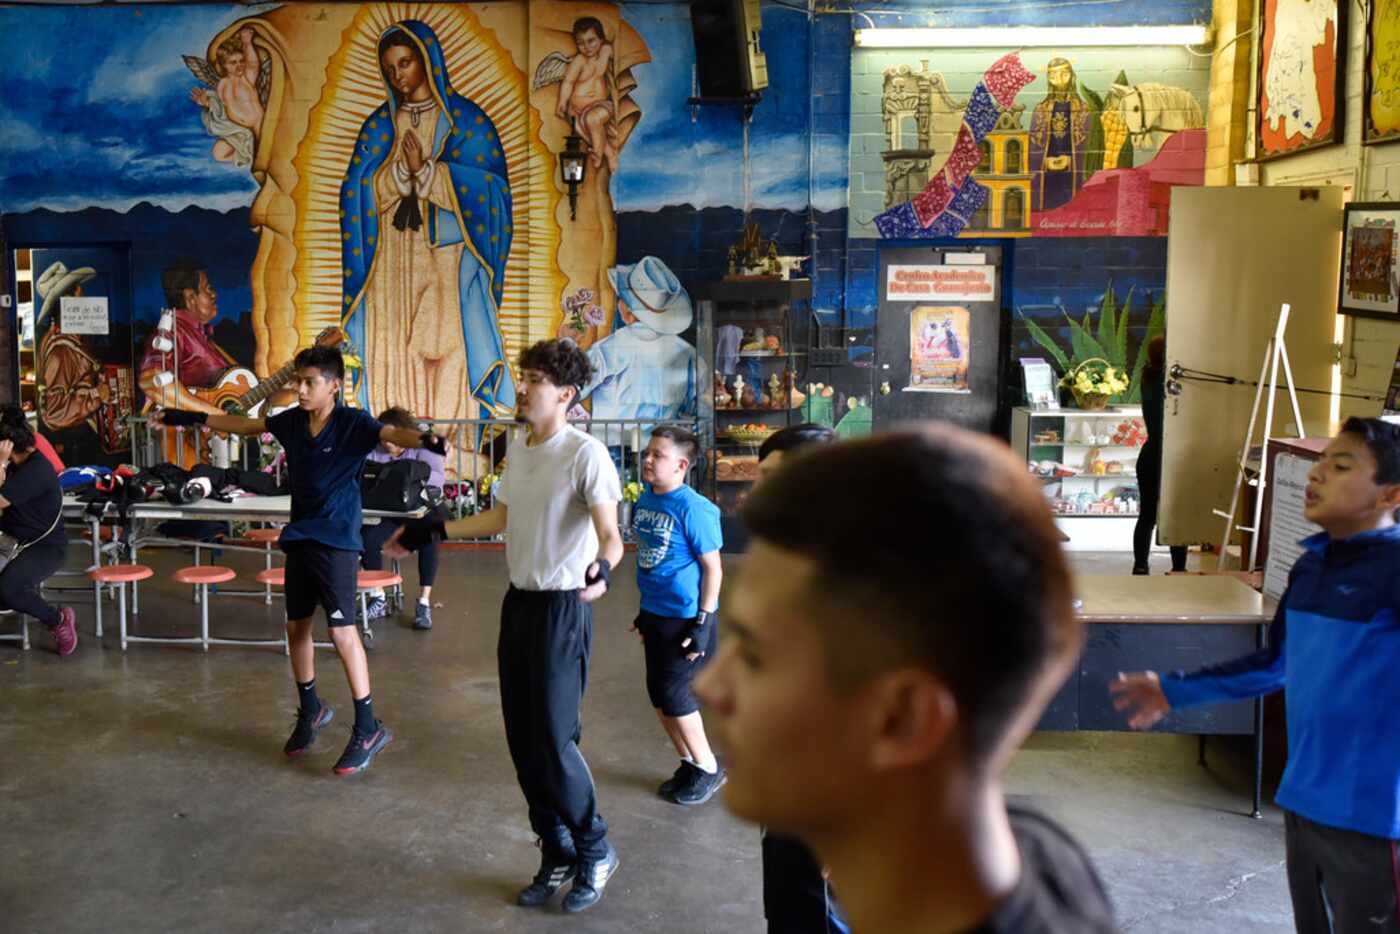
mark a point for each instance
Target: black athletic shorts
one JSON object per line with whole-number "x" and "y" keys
{"x": 668, "y": 673}
{"x": 321, "y": 576}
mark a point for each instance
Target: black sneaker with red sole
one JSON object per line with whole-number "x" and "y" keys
{"x": 362, "y": 749}
{"x": 304, "y": 733}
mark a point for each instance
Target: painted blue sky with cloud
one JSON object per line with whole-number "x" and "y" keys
{"x": 693, "y": 155}
{"x": 96, "y": 112}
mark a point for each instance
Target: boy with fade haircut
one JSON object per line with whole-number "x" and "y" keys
{"x": 919, "y": 704}
{"x": 679, "y": 577}
{"x": 796, "y": 896}
{"x": 326, "y": 445}
{"x": 1334, "y": 648}
{"x": 557, "y": 503}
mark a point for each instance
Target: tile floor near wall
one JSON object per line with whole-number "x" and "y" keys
{"x": 147, "y": 791}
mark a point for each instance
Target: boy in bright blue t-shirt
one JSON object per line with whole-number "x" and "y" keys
{"x": 1334, "y": 647}
{"x": 679, "y": 575}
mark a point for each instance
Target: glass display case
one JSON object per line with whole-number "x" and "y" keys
{"x": 753, "y": 330}
{"x": 1086, "y": 462}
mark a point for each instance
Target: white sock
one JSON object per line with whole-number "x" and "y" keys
{"x": 709, "y": 769}
{"x": 376, "y": 594}
{"x": 425, "y": 601}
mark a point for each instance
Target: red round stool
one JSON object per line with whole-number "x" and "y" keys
{"x": 202, "y": 575}
{"x": 269, "y": 538}
{"x": 120, "y": 575}
{"x": 273, "y": 577}
{"x": 365, "y": 581}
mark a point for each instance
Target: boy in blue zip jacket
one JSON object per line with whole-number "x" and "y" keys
{"x": 1334, "y": 647}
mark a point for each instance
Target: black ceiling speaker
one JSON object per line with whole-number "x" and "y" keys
{"x": 729, "y": 64}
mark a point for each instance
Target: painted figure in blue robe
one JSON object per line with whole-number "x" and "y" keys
{"x": 644, "y": 369}
{"x": 425, "y": 230}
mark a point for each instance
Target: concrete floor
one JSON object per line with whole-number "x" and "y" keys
{"x": 147, "y": 791}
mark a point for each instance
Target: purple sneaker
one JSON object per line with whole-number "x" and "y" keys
{"x": 65, "y": 634}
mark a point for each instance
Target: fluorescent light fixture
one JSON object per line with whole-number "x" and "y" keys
{"x": 1024, "y": 37}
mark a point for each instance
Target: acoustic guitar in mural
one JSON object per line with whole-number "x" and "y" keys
{"x": 239, "y": 392}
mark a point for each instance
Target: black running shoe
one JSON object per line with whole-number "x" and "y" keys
{"x": 304, "y": 733}
{"x": 362, "y": 749}
{"x": 592, "y": 878}
{"x": 701, "y": 787}
{"x": 555, "y": 870}
{"x": 681, "y": 777}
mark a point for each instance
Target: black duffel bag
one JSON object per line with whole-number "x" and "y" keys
{"x": 394, "y": 486}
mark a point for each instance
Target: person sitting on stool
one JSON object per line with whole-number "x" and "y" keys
{"x": 32, "y": 505}
{"x": 374, "y": 536}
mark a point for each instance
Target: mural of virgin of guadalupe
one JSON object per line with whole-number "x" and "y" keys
{"x": 425, "y": 230}
{"x": 1059, "y": 134}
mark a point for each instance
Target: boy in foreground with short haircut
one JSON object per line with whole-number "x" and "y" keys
{"x": 326, "y": 444}
{"x": 679, "y": 576}
{"x": 873, "y": 722}
{"x": 1334, "y": 647}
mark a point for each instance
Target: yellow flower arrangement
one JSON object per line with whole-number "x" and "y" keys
{"x": 1094, "y": 382}
{"x": 632, "y": 492}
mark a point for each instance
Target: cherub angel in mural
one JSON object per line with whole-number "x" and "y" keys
{"x": 240, "y": 78}
{"x": 585, "y": 89}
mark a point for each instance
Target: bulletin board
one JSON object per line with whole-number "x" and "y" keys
{"x": 1234, "y": 255}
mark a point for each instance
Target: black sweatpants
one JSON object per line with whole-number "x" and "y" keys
{"x": 19, "y": 582}
{"x": 374, "y": 537}
{"x": 1341, "y": 881}
{"x": 1149, "y": 477}
{"x": 546, "y": 637}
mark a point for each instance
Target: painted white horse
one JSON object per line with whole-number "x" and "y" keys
{"x": 1152, "y": 112}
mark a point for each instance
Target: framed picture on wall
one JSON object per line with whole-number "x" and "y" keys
{"x": 1370, "y": 280}
{"x": 1302, "y": 76}
{"x": 1380, "y": 118}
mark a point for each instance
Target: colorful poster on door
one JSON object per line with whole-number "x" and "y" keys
{"x": 939, "y": 348}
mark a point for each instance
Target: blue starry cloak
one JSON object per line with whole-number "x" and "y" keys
{"x": 465, "y": 144}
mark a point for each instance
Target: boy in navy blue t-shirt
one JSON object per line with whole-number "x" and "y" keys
{"x": 678, "y": 574}
{"x": 1334, "y": 648}
{"x": 326, "y": 445}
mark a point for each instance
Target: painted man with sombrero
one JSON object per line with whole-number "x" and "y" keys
{"x": 69, "y": 372}
{"x": 645, "y": 370}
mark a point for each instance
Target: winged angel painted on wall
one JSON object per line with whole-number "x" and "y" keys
{"x": 586, "y": 89}
{"x": 240, "y": 78}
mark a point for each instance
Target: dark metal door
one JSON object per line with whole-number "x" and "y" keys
{"x": 938, "y": 340}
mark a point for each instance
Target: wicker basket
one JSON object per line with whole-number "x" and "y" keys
{"x": 1089, "y": 401}
{"x": 750, "y": 435}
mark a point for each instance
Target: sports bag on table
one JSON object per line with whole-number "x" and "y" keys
{"x": 394, "y": 486}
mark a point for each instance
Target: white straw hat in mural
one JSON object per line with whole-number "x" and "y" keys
{"x": 55, "y": 282}
{"x": 654, "y": 294}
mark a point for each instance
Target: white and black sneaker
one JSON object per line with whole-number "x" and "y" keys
{"x": 592, "y": 878}
{"x": 555, "y": 870}
{"x": 701, "y": 787}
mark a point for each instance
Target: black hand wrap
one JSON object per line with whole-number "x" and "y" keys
{"x": 421, "y": 533}
{"x": 179, "y": 418}
{"x": 435, "y": 443}
{"x": 604, "y": 568}
{"x": 695, "y": 635}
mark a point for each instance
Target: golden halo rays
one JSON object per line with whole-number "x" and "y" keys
{"x": 478, "y": 68}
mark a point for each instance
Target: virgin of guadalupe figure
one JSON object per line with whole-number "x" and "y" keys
{"x": 425, "y": 219}
{"x": 1059, "y": 132}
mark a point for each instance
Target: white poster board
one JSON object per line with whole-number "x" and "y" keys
{"x": 952, "y": 283}
{"x": 83, "y": 314}
{"x": 1287, "y": 527}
